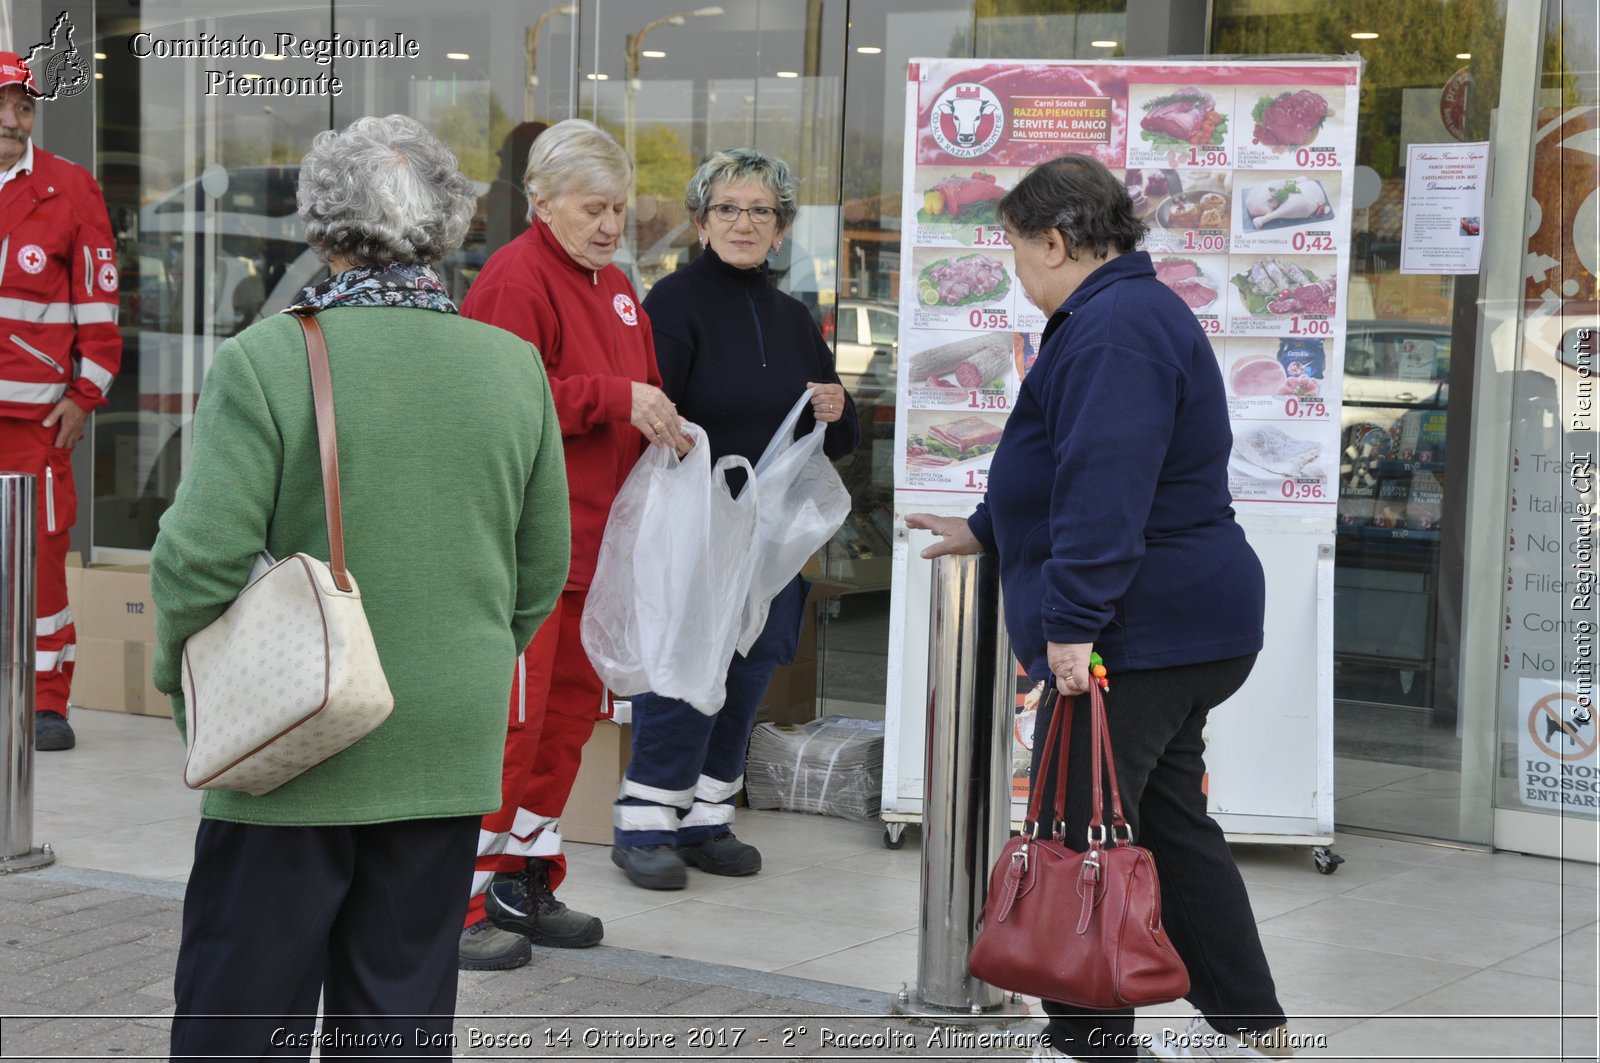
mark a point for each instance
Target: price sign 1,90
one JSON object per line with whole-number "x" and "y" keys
{"x": 1302, "y": 490}
{"x": 989, "y": 319}
{"x": 1207, "y": 158}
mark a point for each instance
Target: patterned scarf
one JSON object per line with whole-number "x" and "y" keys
{"x": 393, "y": 285}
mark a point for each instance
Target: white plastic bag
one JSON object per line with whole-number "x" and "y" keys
{"x": 802, "y": 502}
{"x": 664, "y": 608}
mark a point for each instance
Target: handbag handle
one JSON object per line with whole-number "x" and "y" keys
{"x": 1057, "y": 743}
{"x": 1100, "y": 741}
{"x": 327, "y": 440}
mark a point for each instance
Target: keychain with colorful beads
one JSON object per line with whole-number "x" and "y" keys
{"x": 1097, "y": 669}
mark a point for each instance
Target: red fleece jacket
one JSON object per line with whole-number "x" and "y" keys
{"x": 595, "y": 341}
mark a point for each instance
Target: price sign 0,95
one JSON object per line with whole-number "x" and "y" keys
{"x": 989, "y": 319}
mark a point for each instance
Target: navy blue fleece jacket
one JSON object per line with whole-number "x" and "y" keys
{"x": 735, "y": 354}
{"x": 1108, "y": 494}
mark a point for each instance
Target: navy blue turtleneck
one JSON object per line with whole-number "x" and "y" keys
{"x": 735, "y": 354}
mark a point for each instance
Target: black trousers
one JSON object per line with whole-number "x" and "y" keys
{"x": 1155, "y": 718}
{"x": 369, "y": 917}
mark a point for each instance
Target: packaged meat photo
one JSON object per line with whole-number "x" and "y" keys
{"x": 956, "y": 205}
{"x": 1282, "y": 295}
{"x": 1197, "y": 279}
{"x": 976, "y": 372}
{"x": 1289, "y": 126}
{"x": 963, "y": 290}
{"x": 1263, "y": 384}
{"x": 1280, "y": 463}
{"x": 950, "y": 450}
{"x": 1180, "y": 125}
{"x": 1286, "y": 211}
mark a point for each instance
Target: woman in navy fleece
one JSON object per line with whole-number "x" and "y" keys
{"x": 735, "y": 355}
{"x": 1108, "y": 504}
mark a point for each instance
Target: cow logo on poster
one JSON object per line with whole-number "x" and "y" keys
{"x": 967, "y": 120}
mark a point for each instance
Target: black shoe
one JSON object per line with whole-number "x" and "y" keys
{"x": 524, "y": 902}
{"x": 485, "y": 947}
{"x": 723, "y": 855}
{"x": 652, "y": 867}
{"x": 52, "y": 731}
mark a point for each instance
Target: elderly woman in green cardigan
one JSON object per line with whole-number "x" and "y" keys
{"x": 350, "y": 881}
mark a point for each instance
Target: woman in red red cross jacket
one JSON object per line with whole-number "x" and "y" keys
{"x": 555, "y": 287}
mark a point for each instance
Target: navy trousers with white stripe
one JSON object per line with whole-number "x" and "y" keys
{"x": 687, "y": 767}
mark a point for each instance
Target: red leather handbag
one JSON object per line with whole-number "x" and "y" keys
{"x": 1078, "y": 928}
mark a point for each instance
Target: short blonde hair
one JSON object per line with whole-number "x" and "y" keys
{"x": 576, "y": 156}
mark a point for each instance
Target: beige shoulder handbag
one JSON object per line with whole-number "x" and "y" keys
{"x": 289, "y": 675}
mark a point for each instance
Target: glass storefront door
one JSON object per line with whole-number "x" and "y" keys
{"x": 1433, "y": 75}
{"x": 1541, "y": 313}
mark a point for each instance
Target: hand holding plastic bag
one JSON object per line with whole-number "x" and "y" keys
{"x": 665, "y": 606}
{"x": 802, "y": 502}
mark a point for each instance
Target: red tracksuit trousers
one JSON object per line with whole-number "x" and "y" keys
{"x": 28, "y": 446}
{"x": 555, "y": 700}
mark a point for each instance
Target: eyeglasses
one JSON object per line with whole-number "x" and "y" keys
{"x": 759, "y": 214}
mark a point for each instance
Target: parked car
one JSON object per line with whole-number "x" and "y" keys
{"x": 1396, "y": 363}
{"x": 866, "y": 337}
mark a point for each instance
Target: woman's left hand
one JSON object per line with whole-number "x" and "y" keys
{"x": 827, "y": 402}
{"x": 1069, "y": 663}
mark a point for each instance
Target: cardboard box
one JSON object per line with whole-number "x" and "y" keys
{"x": 114, "y": 675}
{"x": 587, "y": 817}
{"x": 791, "y": 696}
{"x": 114, "y": 603}
{"x": 74, "y": 580}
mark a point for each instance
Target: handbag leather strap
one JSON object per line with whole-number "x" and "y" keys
{"x": 1057, "y": 743}
{"x": 327, "y": 441}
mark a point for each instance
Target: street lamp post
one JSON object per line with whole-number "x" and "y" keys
{"x": 530, "y": 43}
{"x": 635, "y": 45}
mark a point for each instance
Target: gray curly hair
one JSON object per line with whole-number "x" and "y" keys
{"x": 739, "y": 164}
{"x": 382, "y": 191}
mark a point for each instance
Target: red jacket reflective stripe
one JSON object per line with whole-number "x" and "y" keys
{"x": 58, "y": 290}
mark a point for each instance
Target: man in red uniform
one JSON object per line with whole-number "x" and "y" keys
{"x": 59, "y": 352}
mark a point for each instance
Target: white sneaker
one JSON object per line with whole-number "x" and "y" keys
{"x": 1045, "y": 1052}
{"x": 1200, "y": 1040}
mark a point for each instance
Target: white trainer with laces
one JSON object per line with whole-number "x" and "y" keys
{"x": 1201, "y": 1040}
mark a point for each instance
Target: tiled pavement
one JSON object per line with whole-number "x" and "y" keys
{"x": 1409, "y": 952}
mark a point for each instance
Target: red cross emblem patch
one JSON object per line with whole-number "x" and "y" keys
{"x": 31, "y": 257}
{"x": 106, "y": 277}
{"x": 625, "y": 309}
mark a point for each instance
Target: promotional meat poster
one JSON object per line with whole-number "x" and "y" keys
{"x": 1242, "y": 172}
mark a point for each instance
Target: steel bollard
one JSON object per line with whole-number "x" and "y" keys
{"x": 966, "y": 809}
{"x": 18, "y": 519}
